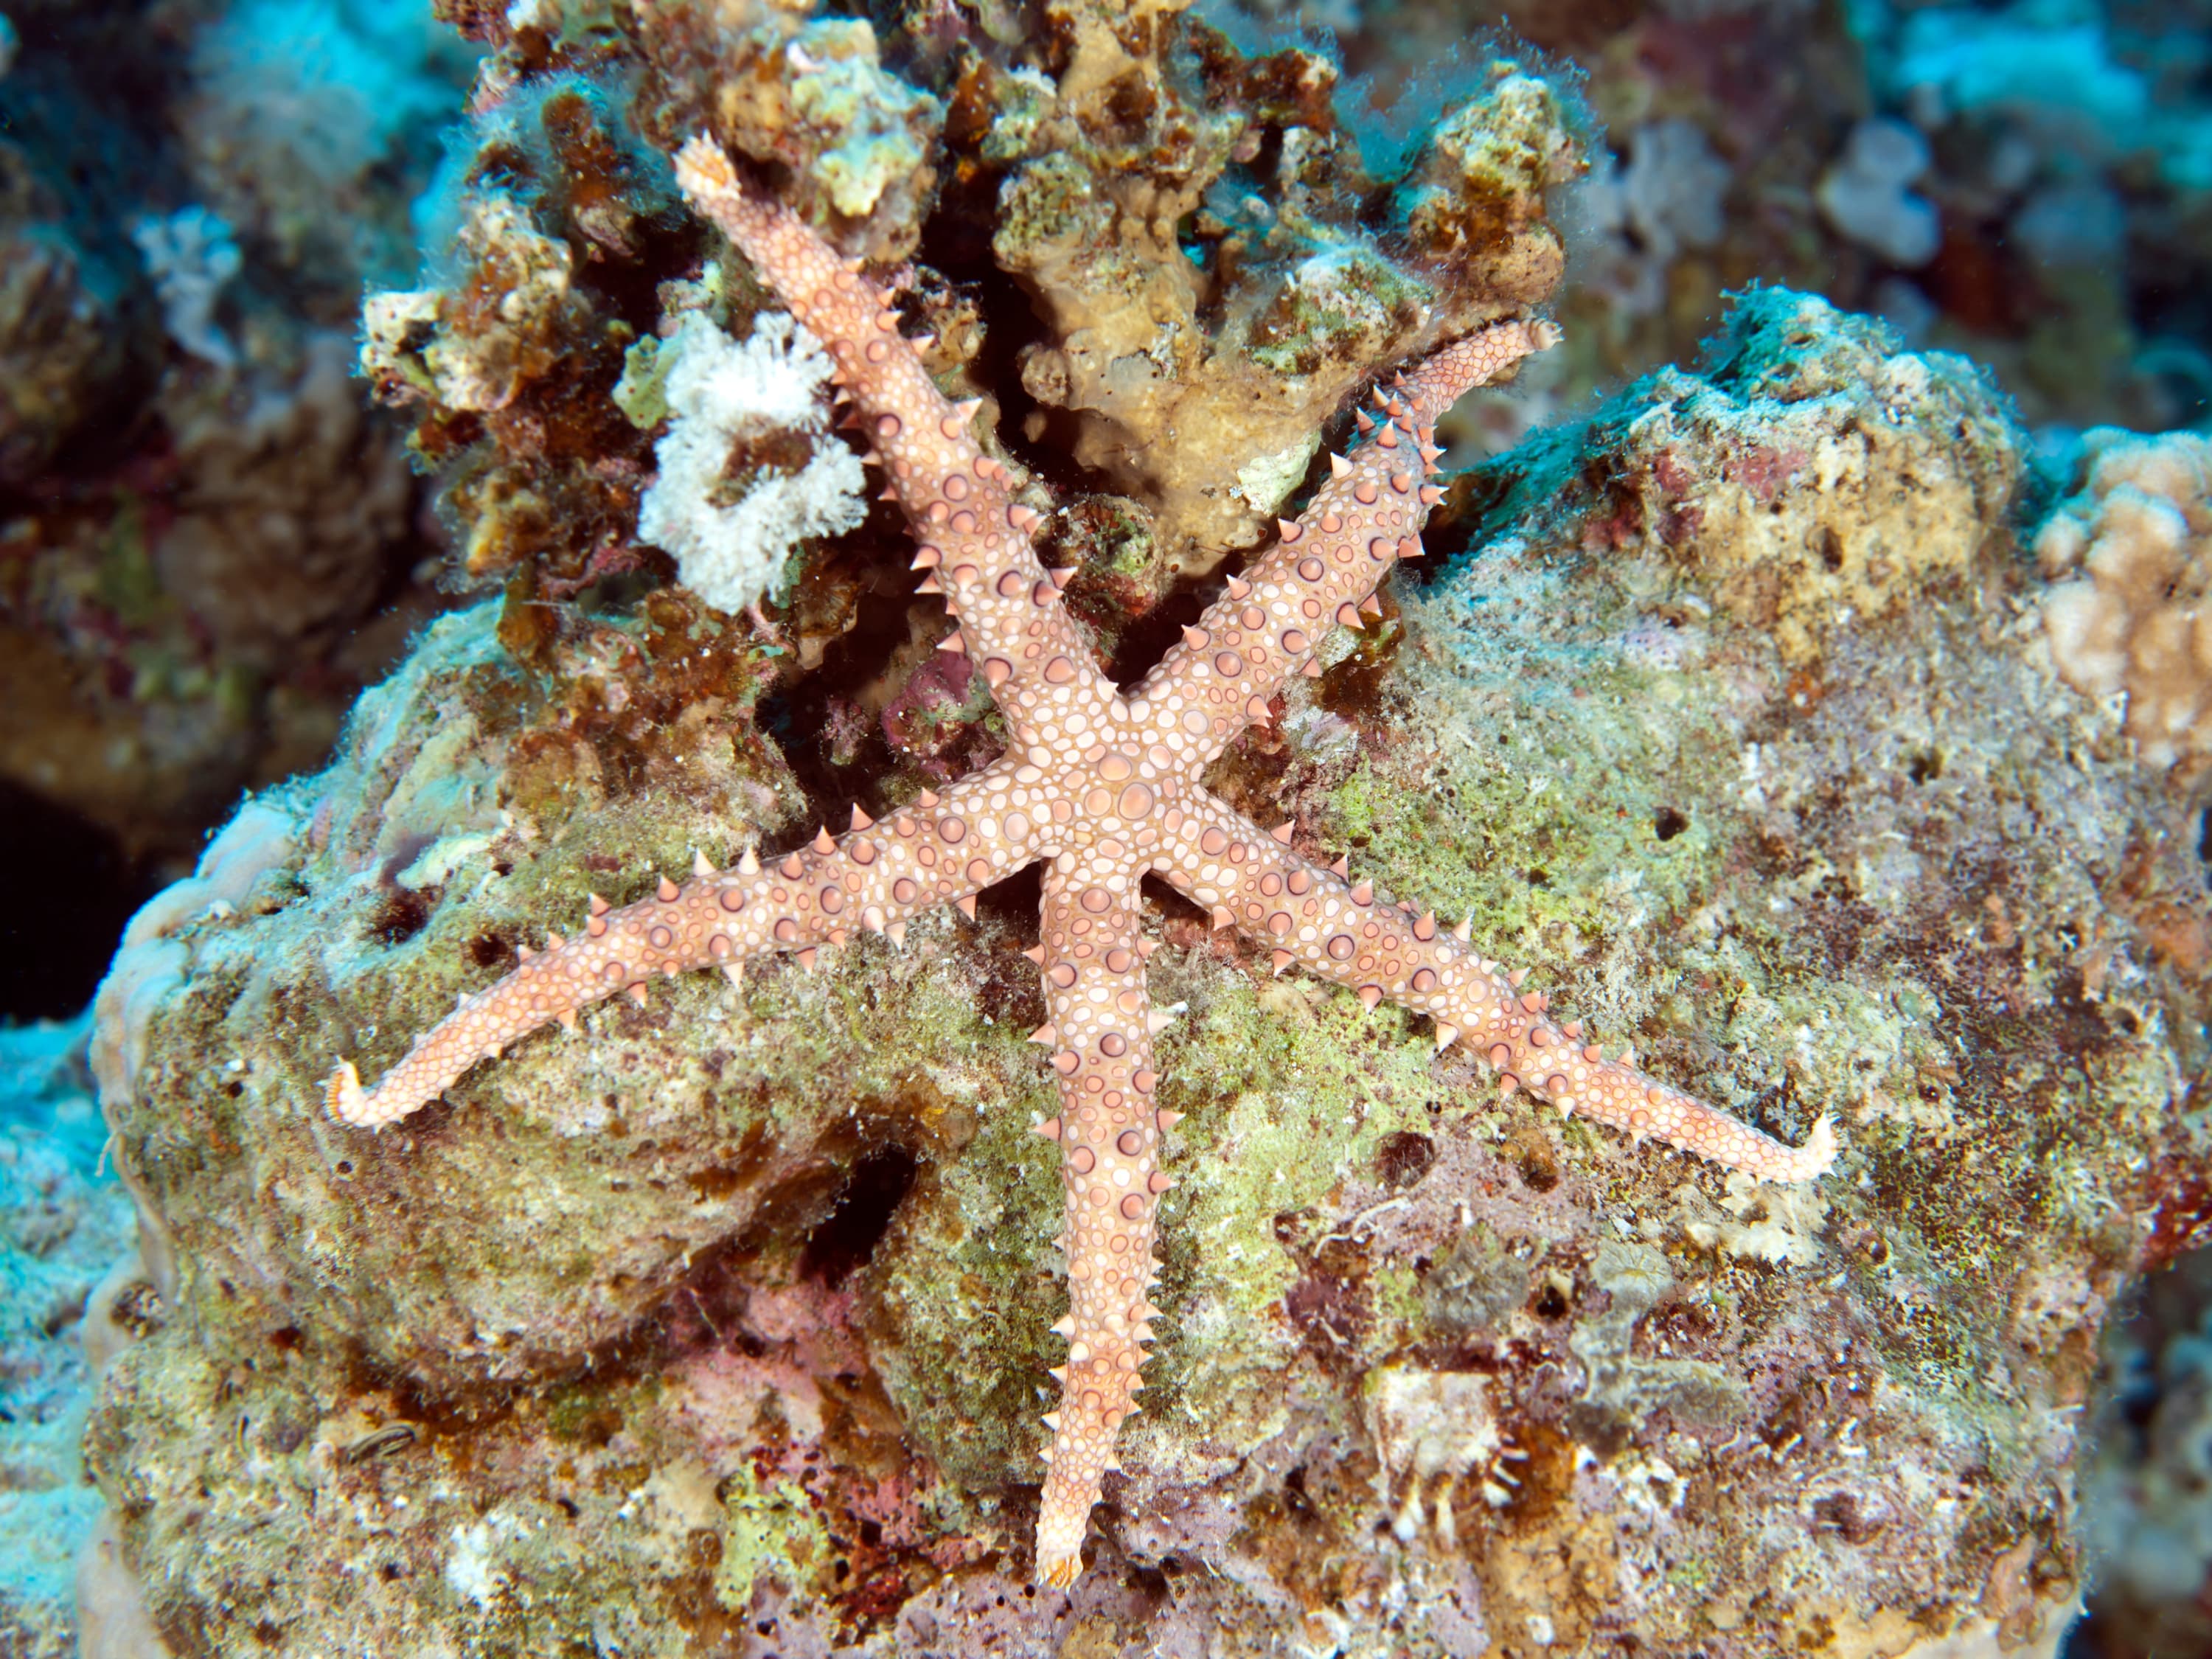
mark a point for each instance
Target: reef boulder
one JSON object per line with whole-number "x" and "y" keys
{"x": 723, "y": 1321}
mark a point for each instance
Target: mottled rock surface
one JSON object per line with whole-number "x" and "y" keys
{"x": 720, "y": 1325}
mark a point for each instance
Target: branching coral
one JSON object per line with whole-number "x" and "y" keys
{"x": 1210, "y": 270}
{"x": 299, "y": 110}
{"x": 1196, "y": 233}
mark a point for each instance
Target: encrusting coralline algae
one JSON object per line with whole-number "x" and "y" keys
{"x": 723, "y": 1324}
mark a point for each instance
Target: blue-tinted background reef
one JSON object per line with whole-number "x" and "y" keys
{"x": 415, "y": 520}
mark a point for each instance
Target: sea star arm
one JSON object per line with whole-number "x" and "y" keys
{"x": 1366, "y": 517}
{"x": 1313, "y": 917}
{"x": 1110, "y": 1135}
{"x": 973, "y": 535}
{"x": 934, "y": 852}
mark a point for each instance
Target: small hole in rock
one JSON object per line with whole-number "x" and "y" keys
{"x": 1541, "y": 1170}
{"x": 399, "y": 917}
{"x": 848, "y": 1236}
{"x": 1402, "y": 1159}
{"x": 1666, "y": 824}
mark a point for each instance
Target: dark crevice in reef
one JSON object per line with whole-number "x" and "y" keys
{"x": 847, "y": 1237}
{"x": 1170, "y": 905}
{"x": 1145, "y": 640}
{"x": 1014, "y": 901}
{"x": 834, "y": 747}
{"x": 1041, "y": 438}
{"x": 75, "y": 890}
{"x": 956, "y": 244}
{"x": 838, "y": 756}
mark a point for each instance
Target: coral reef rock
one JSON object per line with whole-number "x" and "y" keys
{"x": 201, "y": 520}
{"x": 1794, "y": 477}
{"x": 63, "y": 336}
{"x": 720, "y": 1325}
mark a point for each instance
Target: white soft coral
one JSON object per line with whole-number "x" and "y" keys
{"x": 734, "y": 537}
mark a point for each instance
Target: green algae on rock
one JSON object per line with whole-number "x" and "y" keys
{"x": 724, "y": 1314}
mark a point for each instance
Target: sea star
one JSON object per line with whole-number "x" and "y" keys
{"x": 1104, "y": 787}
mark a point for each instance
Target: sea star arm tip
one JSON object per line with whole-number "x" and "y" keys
{"x": 1109, "y": 1136}
{"x": 1324, "y": 567}
{"x": 974, "y": 534}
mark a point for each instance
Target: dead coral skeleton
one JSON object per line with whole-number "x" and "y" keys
{"x": 1103, "y": 786}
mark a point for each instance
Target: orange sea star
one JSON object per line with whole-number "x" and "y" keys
{"x": 1103, "y": 785}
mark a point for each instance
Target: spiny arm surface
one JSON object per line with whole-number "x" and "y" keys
{"x": 1317, "y": 919}
{"x": 875, "y": 876}
{"x": 973, "y": 533}
{"x": 1362, "y": 520}
{"x": 1109, "y": 1136}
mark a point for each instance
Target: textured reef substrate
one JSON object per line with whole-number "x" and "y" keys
{"x": 723, "y": 1321}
